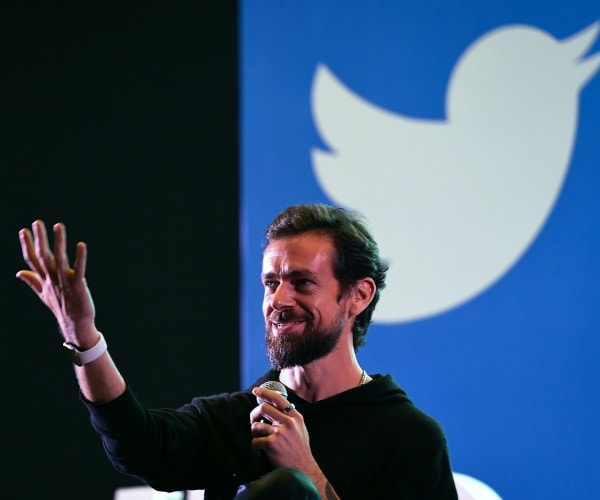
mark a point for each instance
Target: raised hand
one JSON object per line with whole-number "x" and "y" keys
{"x": 63, "y": 289}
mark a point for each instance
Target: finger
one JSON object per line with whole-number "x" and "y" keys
{"x": 269, "y": 412}
{"x": 258, "y": 414}
{"x": 32, "y": 279}
{"x": 264, "y": 413}
{"x": 46, "y": 259}
{"x": 80, "y": 260}
{"x": 273, "y": 397}
{"x": 60, "y": 250}
{"x": 28, "y": 250}
{"x": 260, "y": 443}
{"x": 261, "y": 429}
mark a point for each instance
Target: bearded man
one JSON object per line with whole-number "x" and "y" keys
{"x": 339, "y": 433}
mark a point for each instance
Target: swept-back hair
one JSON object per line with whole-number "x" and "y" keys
{"x": 357, "y": 252}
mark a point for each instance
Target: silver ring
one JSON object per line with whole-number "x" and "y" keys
{"x": 291, "y": 407}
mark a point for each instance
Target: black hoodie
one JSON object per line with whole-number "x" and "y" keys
{"x": 370, "y": 441}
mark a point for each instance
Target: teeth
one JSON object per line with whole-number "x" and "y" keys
{"x": 279, "y": 325}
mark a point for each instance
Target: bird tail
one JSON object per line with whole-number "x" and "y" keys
{"x": 577, "y": 46}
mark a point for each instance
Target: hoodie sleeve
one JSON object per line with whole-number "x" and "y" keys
{"x": 205, "y": 444}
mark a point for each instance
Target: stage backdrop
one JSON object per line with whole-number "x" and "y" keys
{"x": 467, "y": 134}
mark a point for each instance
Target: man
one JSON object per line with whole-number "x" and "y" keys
{"x": 340, "y": 432}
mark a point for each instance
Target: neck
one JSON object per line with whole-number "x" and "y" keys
{"x": 337, "y": 372}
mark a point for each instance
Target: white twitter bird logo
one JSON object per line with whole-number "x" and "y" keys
{"x": 455, "y": 203}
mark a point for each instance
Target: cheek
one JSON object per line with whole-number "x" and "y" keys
{"x": 265, "y": 306}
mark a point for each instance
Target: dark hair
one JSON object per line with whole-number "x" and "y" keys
{"x": 357, "y": 252}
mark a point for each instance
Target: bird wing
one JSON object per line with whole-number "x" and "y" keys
{"x": 371, "y": 150}
{"x": 342, "y": 116}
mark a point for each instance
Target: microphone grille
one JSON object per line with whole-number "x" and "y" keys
{"x": 273, "y": 385}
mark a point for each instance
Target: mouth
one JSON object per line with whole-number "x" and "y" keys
{"x": 286, "y": 327}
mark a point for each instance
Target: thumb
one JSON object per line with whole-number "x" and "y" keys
{"x": 31, "y": 279}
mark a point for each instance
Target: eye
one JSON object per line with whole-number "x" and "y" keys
{"x": 303, "y": 283}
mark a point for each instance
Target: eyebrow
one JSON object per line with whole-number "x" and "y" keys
{"x": 292, "y": 273}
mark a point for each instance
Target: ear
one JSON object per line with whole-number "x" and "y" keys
{"x": 361, "y": 295}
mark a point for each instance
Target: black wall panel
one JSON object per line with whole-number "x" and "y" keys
{"x": 121, "y": 121}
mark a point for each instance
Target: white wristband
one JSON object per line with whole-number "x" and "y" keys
{"x": 81, "y": 358}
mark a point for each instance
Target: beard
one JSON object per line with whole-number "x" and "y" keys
{"x": 287, "y": 351}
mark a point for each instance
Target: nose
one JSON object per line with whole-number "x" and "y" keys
{"x": 282, "y": 298}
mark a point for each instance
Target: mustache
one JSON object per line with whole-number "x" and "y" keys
{"x": 285, "y": 316}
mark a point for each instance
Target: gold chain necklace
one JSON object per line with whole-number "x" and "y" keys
{"x": 363, "y": 378}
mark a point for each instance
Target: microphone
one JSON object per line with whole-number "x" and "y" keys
{"x": 264, "y": 465}
{"x": 273, "y": 385}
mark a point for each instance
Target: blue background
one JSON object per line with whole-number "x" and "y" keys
{"x": 512, "y": 375}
